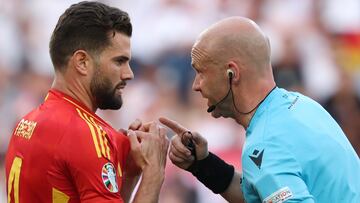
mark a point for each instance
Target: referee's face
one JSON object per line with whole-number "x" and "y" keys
{"x": 111, "y": 71}
{"x": 210, "y": 80}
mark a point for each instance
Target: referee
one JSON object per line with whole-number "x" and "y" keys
{"x": 294, "y": 150}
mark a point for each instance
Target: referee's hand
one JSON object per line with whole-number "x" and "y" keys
{"x": 179, "y": 154}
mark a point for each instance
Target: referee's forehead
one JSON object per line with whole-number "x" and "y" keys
{"x": 199, "y": 57}
{"x": 196, "y": 56}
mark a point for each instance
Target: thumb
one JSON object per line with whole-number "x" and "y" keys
{"x": 201, "y": 146}
{"x": 198, "y": 139}
{"x": 134, "y": 142}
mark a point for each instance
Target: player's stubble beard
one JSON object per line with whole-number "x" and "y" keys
{"x": 104, "y": 92}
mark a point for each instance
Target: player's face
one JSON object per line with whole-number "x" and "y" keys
{"x": 112, "y": 70}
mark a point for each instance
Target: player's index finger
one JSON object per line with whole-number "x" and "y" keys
{"x": 133, "y": 139}
{"x": 154, "y": 128}
{"x": 173, "y": 125}
{"x": 135, "y": 125}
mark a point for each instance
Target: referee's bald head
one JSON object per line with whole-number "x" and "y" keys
{"x": 235, "y": 38}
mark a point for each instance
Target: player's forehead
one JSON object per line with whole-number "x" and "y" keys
{"x": 119, "y": 45}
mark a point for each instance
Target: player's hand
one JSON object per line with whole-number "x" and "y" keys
{"x": 179, "y": 154}
{"x": 139, "y": 125}
{"x": 135, "y": 125}
{"x": 149, "y": 149}
{"x": 131, "y": 168}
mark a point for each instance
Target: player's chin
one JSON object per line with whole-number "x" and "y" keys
{"x": 114, "y": 103}
{"x": 118, "y": 102}
{"x": 117, "y": 97}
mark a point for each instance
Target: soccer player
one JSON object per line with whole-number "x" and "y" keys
{"x": 62, "y": 151}
{"x": 294, "y": 150}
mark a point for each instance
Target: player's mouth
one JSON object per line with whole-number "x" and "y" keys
{"x": 120, "y": 88}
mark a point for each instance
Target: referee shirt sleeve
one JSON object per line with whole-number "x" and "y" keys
{"x": 273, "y": 175}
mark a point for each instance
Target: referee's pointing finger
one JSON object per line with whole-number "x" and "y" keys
{"x": 173, "y": 125}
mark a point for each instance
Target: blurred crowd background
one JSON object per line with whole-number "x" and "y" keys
{"x": 315, "y": 50}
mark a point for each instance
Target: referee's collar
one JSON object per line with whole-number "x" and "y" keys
{"x": 261, "y": 109}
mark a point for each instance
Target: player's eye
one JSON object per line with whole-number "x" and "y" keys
{"x": 120, "y": 61}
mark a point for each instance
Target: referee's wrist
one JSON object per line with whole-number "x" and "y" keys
{"x": 213, "y": 172}
{"x": 199, "y": 158}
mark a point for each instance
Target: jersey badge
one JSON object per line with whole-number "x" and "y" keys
{"x": 25, "y": 129}
{"x": 256, "y": 157}
{"x": 279, "y": 196}
{"x": 108, "y": 175}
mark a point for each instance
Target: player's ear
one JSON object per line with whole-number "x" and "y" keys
{"x": 81, "y": 61}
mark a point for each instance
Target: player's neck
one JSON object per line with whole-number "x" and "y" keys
{"x": 74, "y": 89}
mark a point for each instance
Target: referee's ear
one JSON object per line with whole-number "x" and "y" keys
{"x": 81, "y": 62}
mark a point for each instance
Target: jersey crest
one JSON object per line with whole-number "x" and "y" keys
{"x": 108, "y": 175}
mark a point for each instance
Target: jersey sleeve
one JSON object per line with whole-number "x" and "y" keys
{"x": 272, "y": 174}
{"x": 82, "y": 171}
{"x": 123, "y": 145}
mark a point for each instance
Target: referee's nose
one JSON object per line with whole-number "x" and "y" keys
{"x": 196, "y": 83}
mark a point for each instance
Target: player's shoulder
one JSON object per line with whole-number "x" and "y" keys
{"x": 62, "y": 114}
{"x": 79, "y": 122}
{"x": 56, "y": 116}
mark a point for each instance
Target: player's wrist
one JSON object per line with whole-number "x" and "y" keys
{"x": 153, "y": 172}
{"x": 213, "y": 172}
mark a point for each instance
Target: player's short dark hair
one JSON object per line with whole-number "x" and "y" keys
{"x": 88, "y": 26}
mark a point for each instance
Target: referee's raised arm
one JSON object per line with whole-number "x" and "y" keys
{"x": 209, "y": 169}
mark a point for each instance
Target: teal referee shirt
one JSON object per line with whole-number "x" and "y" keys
{"x": 296, "y": 152}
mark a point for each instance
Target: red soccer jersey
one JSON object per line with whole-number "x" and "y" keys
{"x": 62, "y": 152}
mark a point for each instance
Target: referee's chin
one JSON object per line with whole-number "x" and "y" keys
{"x": 215, "y": 114}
